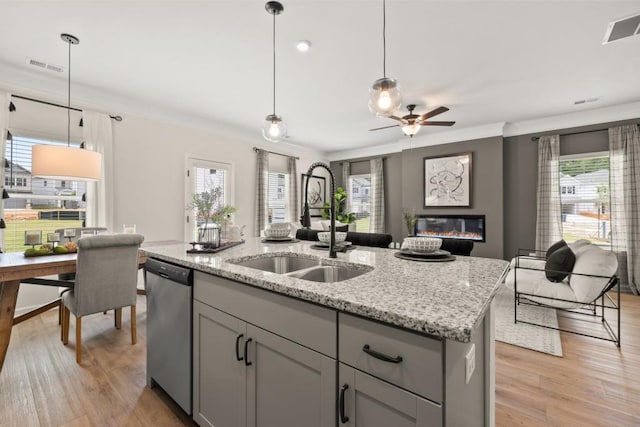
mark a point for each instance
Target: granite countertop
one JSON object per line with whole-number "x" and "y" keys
{"x": 443, "y": 299}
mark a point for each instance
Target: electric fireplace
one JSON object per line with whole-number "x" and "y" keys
{"x": 464, "y": 227}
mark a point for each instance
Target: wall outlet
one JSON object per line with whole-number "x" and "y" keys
{"x": 470, "y": 363}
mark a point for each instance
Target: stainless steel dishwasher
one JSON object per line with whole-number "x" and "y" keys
{"x": 169, "y": 321}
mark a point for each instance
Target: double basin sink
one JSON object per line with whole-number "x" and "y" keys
{"x": 313, "y": 269}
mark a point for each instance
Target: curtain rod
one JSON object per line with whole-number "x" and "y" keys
{"x": 277, "y": 154}
{"x": 536, "y": 138}
{"x": 13, "y": 107}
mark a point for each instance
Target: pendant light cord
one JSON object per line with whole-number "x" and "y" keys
{"x": 274, "y": 64}
{"x": 384, "y": 39}
{"x": 69, "y": 98}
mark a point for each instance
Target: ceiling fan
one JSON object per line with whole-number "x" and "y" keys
{"x": 411, "y": 123}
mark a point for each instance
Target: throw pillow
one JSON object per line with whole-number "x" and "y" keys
{"x": 560, "y": 264}
{"x": 555, "y": 247}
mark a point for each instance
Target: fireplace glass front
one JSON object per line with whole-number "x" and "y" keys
{"x": 465, "y": 227}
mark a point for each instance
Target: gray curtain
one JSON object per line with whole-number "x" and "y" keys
{"x": 346, "y": 172}
{"x": 5, "y": 100}
{"x": 293, "y": 189}
{"x": 377, "y": 196}
{"x": 262, "y": 190}
{"x": 549, "y": 209}
{"x": 624, "y": 188}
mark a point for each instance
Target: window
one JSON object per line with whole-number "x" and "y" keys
{"x": 358, "y": 192}
{"x": 584, "y": 194}
{"x": 205, "y": 175}
{"x": 278, "y": 197}
{"x": 36, "y": 204}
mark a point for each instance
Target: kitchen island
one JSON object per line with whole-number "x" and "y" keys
{"x": 403, "y": 334}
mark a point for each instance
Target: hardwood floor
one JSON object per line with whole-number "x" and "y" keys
{"x": 594, "y": 384}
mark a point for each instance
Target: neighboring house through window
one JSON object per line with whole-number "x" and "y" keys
{"x": 278, "y": 197}
{"x": 359, "y": 192}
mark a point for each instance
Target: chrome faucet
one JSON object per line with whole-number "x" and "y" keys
{"x": 306, "y": 218}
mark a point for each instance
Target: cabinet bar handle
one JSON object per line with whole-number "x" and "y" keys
{"x": 343, "y": 418}
{"x": 246, "y": 350}
{"x": 381, "y": 356}
{"x": 238, "y": 338}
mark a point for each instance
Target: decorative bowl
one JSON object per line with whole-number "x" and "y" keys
{"x": 422, "y": 244}
{"x": 280, "y": 226}
{"x": 276, "y": 233}
{"x": 325, "y": 236}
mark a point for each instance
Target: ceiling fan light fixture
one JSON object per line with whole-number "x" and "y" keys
{"x": 410, "y": 129}
{"x": 274, "y": 128}
{"x": 384, "y": 97}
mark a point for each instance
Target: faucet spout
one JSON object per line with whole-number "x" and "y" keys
{"x": 306, "y": 219}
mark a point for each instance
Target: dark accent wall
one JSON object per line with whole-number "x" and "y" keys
{"x": 521, "y": 177}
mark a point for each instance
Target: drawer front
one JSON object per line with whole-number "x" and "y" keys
{"x": 363, "y": 343}
{"x": 307, "y": 324}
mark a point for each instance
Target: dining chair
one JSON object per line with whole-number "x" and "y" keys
{"x": 106, "y": 279}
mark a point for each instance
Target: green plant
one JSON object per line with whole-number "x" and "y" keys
{"x": 409, "y": 221}
{"x": 344, "y": 217}
{"x": 208, "y": 207}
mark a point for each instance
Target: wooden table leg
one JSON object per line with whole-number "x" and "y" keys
{"x": 8, "y": 298}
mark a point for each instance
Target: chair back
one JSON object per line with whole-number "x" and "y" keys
{"x": 106, "y": 272}
{"x": 457, "y": 247}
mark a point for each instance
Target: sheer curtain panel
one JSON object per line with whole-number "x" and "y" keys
{"x": 292, "y": 169}
{"x": 377, "y": 196}
{"x": 346, "y": 172}
{"x": 98, "y": 136}
{"x": 549, "y": 208}
{"x": 624, "y": 187}
{"x": 262, "y": 190}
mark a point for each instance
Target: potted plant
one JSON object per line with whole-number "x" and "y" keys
{"x": 208, "y": 208}
{"x": 341, "y": 214}
{"x": 410, "y": 222}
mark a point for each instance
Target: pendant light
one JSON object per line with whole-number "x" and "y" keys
{"x": 384, "y": 94}
{"x": 66, "y": 163}
{"x": 274, "y": 129}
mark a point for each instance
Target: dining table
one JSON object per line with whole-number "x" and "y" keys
{"x": 15, "y": 268}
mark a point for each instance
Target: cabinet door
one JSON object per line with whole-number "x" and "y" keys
{"x": 219, "y": 378}
{"x": 288, "y": 385}
{"x": 365, "y": 401}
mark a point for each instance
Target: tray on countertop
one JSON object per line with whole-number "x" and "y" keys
{"x": 222, "y": 247}
{"x": 437, "y": 256}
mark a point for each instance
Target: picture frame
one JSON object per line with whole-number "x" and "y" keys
{"x": 316, "y": 196}
{"x": 447, "y": 180}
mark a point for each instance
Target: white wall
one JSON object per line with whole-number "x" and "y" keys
{"x": 150, "y": 166}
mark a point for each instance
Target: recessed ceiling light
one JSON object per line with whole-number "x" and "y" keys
{"x": 303, "y": 45}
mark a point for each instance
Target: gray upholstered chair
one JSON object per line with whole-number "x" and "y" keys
{"x": 106, "y": 278}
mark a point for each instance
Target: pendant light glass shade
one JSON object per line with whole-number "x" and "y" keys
{"x": 67, "y": 163}
{"x": 410, "y": 129}
{"x": 384, "y": 97}
{"x": 273, "y": 128}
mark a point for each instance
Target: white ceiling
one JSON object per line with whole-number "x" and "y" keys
{"x": 489, "y": 62}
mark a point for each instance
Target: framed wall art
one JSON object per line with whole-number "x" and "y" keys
{"x": 316, "y": 196}
{"x": 447, "y": 181}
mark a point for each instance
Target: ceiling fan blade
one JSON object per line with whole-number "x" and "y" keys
{"x": 400, "y": 119}
{"x": 432, "y": 113}
{"x": 385, "y": 127}
{"x": 428, "y": 123}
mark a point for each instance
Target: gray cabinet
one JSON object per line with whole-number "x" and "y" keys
{"x": 365, "y": 401}
{"x": 245, "y": 375}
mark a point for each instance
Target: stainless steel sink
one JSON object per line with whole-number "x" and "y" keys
{"x": 279, "y": 264}
{"x": 328, "y": 273}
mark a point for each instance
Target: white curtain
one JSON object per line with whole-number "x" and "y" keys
{"x": 98, "y": 136}
{"x": 292, "y": 170}
{"x": 376, "y": 224}
{"x": 346, "y": 172}
{"x": 624, "y": 188}
{"x": 262, "y": 190}
{"x": 549, "y": 209}
{"x": 5, "y": 100}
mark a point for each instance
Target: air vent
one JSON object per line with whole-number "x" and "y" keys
{"x": 43, "y": 65}
{"x": 621, "y": 28}
{"x": 585, "y": 101}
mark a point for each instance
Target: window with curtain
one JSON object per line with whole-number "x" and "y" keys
{"x": 278, "y": 197}
{"x": 205, "y": 175}
{"x": 584, "y": 195}
{"x": 359, "y": 192}
{"x": 37, "y": 204}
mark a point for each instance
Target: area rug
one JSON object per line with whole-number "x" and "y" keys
{"x": 523, "y": 335}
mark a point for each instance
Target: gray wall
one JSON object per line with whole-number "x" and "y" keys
{"x": 521, "y": 172}
{"x": 404, "y": 187}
